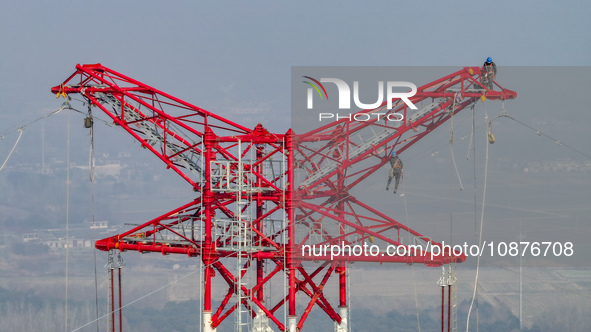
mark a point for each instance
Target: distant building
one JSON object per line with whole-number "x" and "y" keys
{"x": 99, "y": 225}
{"x": 558, "y": 166}
{"x": 111, "y": 168}
{"x": 30, "y": 237}
{"x": 61, "y": 243}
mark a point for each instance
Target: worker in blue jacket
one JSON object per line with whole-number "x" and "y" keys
{"x": 395, "y": 171}
{"x": 489, "y": 73}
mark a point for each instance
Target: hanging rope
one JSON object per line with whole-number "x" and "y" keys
{"x": 414, "y": 279}
{"x": 14, "y": 147}
{"x": 451, "y": 140}
{"x": 473, "y": 144}
{"x": 474, "y": 294}
{"x": 93, "y": 208}
{"x": 67, "y": 220}
{"x": 91, "y": 154}
{"x": 453, "y": 161}
{"x": 451, "y": 218}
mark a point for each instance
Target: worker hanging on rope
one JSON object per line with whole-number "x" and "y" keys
{"x": 395, "y": 171}
{"x": 489, "y": 73}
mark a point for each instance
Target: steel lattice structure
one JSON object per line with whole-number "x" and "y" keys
{"x": 261, "y": 196}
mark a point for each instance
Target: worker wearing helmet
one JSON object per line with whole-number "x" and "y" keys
{"x": 395, "y": 171}
{"x": 489, "y": 73}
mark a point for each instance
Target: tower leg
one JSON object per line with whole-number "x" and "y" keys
{"x": 343, "y": 308}
{"x": 292, "y": 323}
{"x": 207, "y": 322}
{"x": 112, "y": 308}
{"x": 260, "y": 323}
{"x": 120, "y": 301}
{"x": 449, "y": 308}
{"x": 291, "y": 314}
{"x": 207, "y": 301}
{"x": 344, "y": 325}
{"x": 442, "y": 308}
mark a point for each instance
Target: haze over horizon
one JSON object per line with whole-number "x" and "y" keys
{"x": 236, "y": 61}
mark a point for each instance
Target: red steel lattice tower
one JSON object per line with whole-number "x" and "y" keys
{"x": 261, "y": 196}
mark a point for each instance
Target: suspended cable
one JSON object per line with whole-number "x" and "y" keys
{"x": 480, "y": 233}
{"x": 451, "y": 278}
{"x": 120, "y": 266}
{"x": 451, "y": 218}
{"x": 67, "y": 219}
{"x": 432, "y": 151}
{"x": 471, "y": 144}
{"x": 91, "y": 162}
{"x": 453, "y": 161}
{"x": 93, "y": 212}
{"x": 553, "y": 284}
{"x": 475, "y": 191}
{"x": 412, "y": 266}
{"x": 14, "y": 147}
{"x": 136, "y": 300}
{"x": 451, "y": 139}
{"x": 65, "y": 105}
{"x": 557, "y": 141}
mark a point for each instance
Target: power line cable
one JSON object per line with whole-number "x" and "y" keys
{"x": 413, "y": 269}
{"x": 14, "y": 147}
{"x": 67, "y": 220}
{"x": 553, "y": 284}
{"x": 93, "y": 210}
{"x": 65, "y": 106}
{"x": 136, "y": 300}
{"x": 557, "y": 141}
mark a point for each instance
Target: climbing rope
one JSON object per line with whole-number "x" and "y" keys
{"x": 471, "y": 143}
{"x": 474, "y": 294}
{"x": 412, "y": 266}
{"x": 447, "y": 281}
{"x": 93, "y": 209}
{"x": 67, "y": 221}
{"x": 451, "y": 140}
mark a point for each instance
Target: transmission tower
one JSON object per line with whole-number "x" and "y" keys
{"x": 262, "y": 196}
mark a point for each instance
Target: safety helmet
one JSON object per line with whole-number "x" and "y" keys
{"x": 393, "y": 153}
{"x": 488, "y": 60}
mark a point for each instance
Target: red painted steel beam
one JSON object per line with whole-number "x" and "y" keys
{"x": 187, "y": 130}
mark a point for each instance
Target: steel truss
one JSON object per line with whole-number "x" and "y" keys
{"x": 262, "y": 196}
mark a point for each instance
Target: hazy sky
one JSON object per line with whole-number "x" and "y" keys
{"x": 234, "y": 57}
{"x": 196, "y": 50}
{"x": 228, "y": 57}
